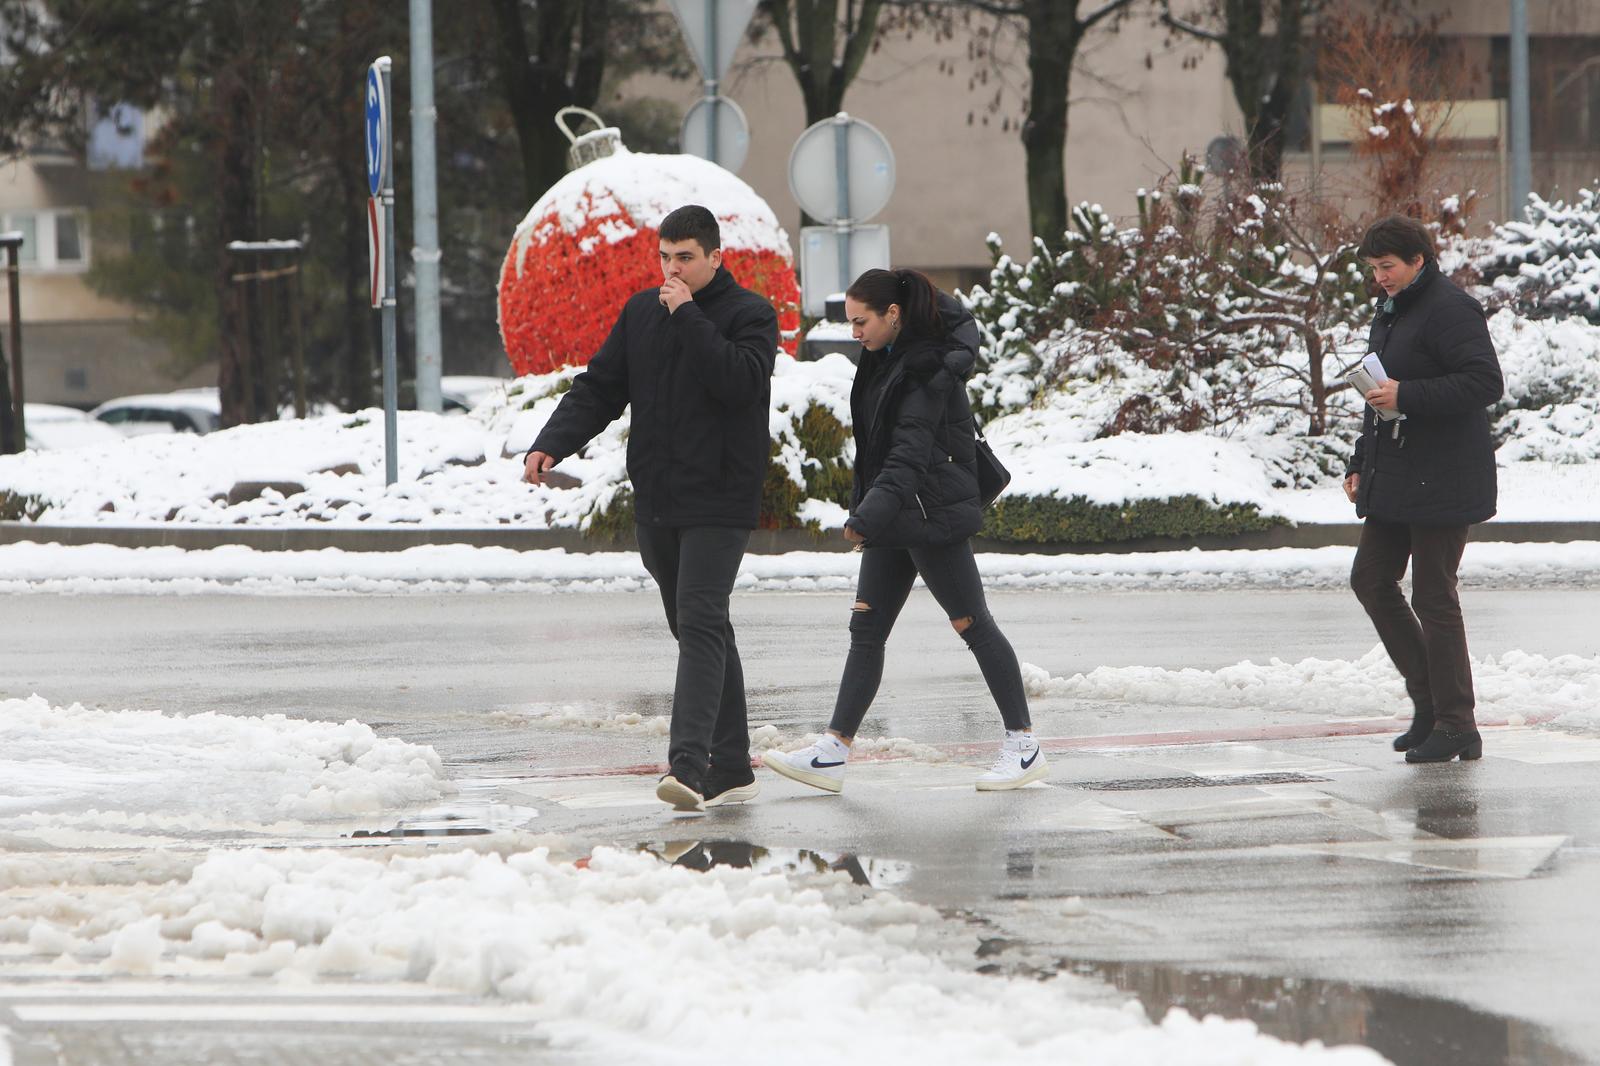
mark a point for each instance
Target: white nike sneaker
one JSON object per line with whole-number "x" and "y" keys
{"x": 1020, "y": 761}
{"x": 820, "y": 765}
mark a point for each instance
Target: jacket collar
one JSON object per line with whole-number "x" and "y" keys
{"x": 1412, "y": 292}
{"x": 720, "y": 283}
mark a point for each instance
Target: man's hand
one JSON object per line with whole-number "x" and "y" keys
{"x": 1385, "y": 396}
{"x": 537, "y": 465}
{"x": 674, "y": 294}
{"x": 1352, "y": 482}
{"x": 853, "y": 537}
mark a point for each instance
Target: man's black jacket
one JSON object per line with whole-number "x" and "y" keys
{"x": 700, "y": 382}
{"x": 1438, "y": 468}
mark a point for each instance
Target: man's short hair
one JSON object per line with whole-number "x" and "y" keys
{"x": 1398, "y": 236}
{"x": 692, "y": 223}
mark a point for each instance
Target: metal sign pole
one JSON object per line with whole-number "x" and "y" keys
{"x": 425, "y": 210}
{"x": 711, "y": 82}
{"x": 841, "y": 158}
{"x": 391, "y": 376}
{"x": 1521, "y": 133}
{"x": 13, "y": 280}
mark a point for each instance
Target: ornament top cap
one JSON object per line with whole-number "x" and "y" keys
{"x": 596, "y": 144}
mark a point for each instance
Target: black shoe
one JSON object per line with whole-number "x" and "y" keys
{"x": 1442, "y": 745}
{"x": 683, "y": 789}
{"x": 732, "y": 786}
{"x": 1421, "y": 726}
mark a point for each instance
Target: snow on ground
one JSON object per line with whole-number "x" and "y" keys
{"x": 91, "y": 768}
{"x": 595, "y": 949}
{"x": 599, "y": 951}
{"x": 99, "y": 568}
{"x": 1515, "y": 686}
{"x": 589, "y": 717}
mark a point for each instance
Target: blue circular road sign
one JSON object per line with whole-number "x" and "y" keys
{"x": 377, "y": 131}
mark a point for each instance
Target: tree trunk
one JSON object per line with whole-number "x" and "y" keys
{"x": 538, "y": 83}
{"x": 353, "y": 384}
{"x": 1053, "y": 35}
{"x": 1264, "y": 79}
{"x": 236, "y": 220}
{"x": 809, "y": 31}
{"x": 9, "y": 445}
{"x": 1319, "y": 386}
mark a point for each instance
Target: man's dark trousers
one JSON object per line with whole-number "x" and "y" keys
{"x": 695, "y": 567}
{"x": 1428, "y": 645}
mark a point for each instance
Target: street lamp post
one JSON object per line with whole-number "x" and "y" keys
{"x": 13, "y": 426}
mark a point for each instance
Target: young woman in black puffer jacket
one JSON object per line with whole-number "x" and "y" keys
{"x": 914, "y": 510}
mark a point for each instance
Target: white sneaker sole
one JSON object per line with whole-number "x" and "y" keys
{"x": 805, "y": 777}
{"x": 680, "y": 795}
{"x": 1035, "y": 772}
{"x": 735, "y": 795}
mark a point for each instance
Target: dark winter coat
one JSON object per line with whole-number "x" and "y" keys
{"x": 916, "y": 474}
{"x": 700, "y": 382}
{"x": 1438, "y": 468}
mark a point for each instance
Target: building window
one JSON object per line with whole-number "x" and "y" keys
{"x": 69, "y": 248}
{"x": 53, "y": 240}
{"x": 1563, "y": 90}
{"x": 28, "y": 226}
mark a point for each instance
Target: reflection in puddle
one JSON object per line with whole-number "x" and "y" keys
{"x": 466, "y": 819}
{"x": 1406, "y": 1029}
{"x": 704, "y": 854}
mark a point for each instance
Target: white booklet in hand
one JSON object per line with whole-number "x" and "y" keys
{"x": 1368, "y": 376}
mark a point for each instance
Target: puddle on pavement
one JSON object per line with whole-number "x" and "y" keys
{"x": 704, "y": 854}
{"x": 468, "y": 818}
{"x": 1406, "y": 1029}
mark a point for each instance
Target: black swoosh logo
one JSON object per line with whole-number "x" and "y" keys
{"x": 1028, "y": 762}
{"x": 825, "y": 765}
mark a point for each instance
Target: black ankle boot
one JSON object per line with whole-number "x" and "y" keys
{"x": 1421, "y": 726}
{"x": 1442, "y": 745}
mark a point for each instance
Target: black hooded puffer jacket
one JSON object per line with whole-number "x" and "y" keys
{"x": 916, "y": 474}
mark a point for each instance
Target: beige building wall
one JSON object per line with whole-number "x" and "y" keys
{"x": 1140, "y": 99}
{"x": 960, "y": 169}
{"x": 78, "y": 348}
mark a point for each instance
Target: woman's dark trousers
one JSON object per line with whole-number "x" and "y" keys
{"x": 1426, "y": 639}
{"x": 951, "y": 574}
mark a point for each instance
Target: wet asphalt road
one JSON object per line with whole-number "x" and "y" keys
{"x": 1315, "y": 884}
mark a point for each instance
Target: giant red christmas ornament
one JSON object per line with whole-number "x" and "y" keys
{"x": 590, "y": 243}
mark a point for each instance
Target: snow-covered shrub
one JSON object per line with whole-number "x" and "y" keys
{"x": 1550, "y": 264}
{"x": 17, "y": 507}
{"x": 1551, "y": 409}
{"x": 1224, "y": 315}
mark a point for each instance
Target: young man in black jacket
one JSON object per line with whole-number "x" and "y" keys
{"x": 695, "y": 360}
{"x": 1420, "y": 481}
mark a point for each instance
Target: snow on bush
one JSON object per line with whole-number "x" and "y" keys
{"x": 454, "y": 472}
{"x": 1551, "y": 409}
{"x": 1549, "y": 264}
{"x": 597, "y": 951}
{"x": 1165, "y": 326}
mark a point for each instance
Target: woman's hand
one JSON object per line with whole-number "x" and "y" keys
{"x": 853, "y": 537}
{"x": 1352, "y": 484}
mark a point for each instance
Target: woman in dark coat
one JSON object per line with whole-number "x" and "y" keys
{"x": 1420, "y": 481}
{"x": 914, "y": 509}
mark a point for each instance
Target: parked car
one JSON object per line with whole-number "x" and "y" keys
{"x": 462, "y": 392}
{"x": 184, "y": 411}
{"x": 53, "y": 428}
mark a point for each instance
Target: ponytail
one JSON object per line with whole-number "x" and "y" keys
{"x": 911, "y": 289}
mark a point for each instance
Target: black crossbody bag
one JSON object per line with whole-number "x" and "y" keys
{"x": 993, "y": 477}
